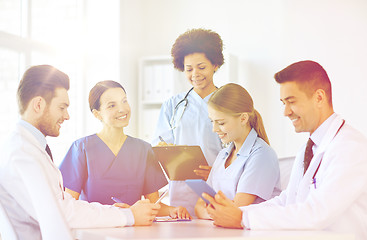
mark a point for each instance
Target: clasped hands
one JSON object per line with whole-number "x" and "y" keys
{"x": 145, "y": 212}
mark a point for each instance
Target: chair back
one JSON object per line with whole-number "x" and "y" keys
{"x": 285, "y": 165}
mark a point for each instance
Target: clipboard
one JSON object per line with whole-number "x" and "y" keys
{"x": 180, "y": 161}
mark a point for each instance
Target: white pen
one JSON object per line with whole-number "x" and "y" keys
{"x": 162, "y": 196}
{"x": 161, "y": 139}
{"x": 116, "y": 200}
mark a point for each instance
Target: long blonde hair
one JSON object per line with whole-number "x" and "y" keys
{"x": 234, "y": 99}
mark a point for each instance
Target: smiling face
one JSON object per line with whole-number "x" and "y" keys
{"x": 114, "y": 108}
{"x": 55, "y": 113}
{"x": 229, "y": 128}
{"x": 199, "y": 71}
{"x": 300, "y": 108}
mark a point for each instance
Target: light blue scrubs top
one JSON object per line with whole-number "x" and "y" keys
{"x": 194, "y": 128}
{"x": 254, "y": 171}
{"x": 91, "y": 169}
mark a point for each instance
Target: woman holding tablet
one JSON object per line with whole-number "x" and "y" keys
{"x": 110, "y": 165}
{"x": 247, "y": 171}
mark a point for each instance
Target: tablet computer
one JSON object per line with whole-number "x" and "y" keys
{"x": 199, "y": 186}
{"x": 179, "y": 161}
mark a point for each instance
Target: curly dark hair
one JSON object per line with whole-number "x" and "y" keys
{"x": 197, "y": 41}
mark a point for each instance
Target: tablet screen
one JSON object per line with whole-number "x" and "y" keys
{"x": 199, "y": 187}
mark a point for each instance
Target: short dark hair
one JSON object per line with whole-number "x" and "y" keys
{"x": 40, "y": 80}
{"x": 308, "y": 75}
{"x": 197, "y": 41}
{"x": 97, "y": 91}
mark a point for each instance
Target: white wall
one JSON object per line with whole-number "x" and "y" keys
{"x": 266, "y": 36}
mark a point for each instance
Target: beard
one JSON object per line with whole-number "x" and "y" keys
{"x": 47, "y": 125}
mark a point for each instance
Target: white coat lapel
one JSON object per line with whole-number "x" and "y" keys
{"x": 305, "y": 183}
{"x": 44, "y": 161}
{"x": 35, "y": 143}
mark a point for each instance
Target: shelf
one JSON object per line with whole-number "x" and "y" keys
{"x": 152, "y": 103}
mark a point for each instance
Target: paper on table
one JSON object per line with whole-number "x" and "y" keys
{"x": 169, "y": 219}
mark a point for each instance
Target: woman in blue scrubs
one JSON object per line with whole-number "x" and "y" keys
{"x": 110, "y": 163}
{"x": 183, "y": 118}
{"x": 247, "y": 171}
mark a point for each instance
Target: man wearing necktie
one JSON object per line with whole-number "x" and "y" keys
{"x": 328, "y": 184}
{"x": 27, "y": 168}
{"x": 308, "y": 155}
{"x": 48, "y": 150}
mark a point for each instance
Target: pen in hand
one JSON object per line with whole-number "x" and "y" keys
{"x": 161, "y": 139}
{"x": 116, "y": 200}
{"x": 119, "y": 203}
{"x": 162, "y": 196}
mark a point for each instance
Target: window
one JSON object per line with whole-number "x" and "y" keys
{"x": 10, "y": 16}
{"x": 70, "y": 35}
{"x": 9, "y": 70}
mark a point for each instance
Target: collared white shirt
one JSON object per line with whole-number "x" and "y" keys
{"x": 320, "y": 132}
{"x": 35, "y": 132}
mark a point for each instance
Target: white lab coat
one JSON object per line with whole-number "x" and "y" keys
{"x": 20, "y": 189}
{"x": 339, "y": 202}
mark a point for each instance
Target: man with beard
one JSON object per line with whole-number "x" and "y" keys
{"x": 30, "y": 182}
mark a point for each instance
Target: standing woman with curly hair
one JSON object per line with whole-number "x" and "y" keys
{"x": 183, "y": 118}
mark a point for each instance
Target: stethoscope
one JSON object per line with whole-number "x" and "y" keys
{"x": 184, "y": 101}
{"x": 313, "y": 181}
